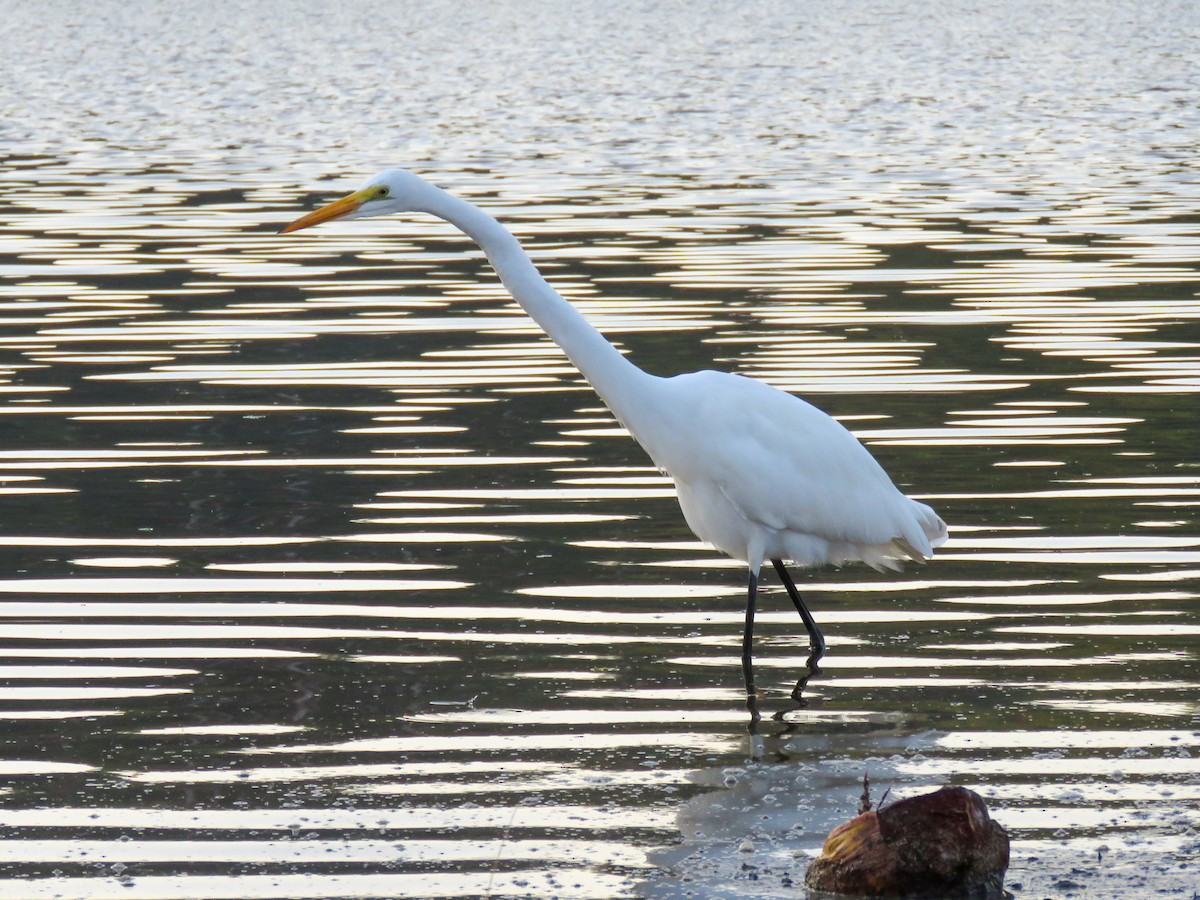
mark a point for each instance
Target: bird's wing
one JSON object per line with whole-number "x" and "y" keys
{"x": 784, "y": 464}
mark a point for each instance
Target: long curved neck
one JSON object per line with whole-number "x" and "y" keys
{"x": 612, "y": 376}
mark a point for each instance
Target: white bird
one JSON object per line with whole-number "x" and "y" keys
{"x": 760, "y": 474}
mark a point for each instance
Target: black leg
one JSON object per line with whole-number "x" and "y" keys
{"x": 802, "y": 681}
{"x": 748, "y": 635}
{"x": 816, "y": 640}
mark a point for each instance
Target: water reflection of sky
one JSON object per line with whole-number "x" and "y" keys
{"x": 326, "y": 577}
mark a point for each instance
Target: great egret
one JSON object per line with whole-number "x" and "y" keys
{"x": 760, "y": 474}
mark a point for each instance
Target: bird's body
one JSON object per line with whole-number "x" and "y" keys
{"x": 727, "y": 444}
{"x": 761, "y": 474}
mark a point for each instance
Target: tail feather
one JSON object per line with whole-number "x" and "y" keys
{"x": 931, "y": 523}
{"x": 912, "y": 552}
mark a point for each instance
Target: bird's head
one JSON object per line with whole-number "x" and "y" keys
{"x": 391, "y": 191}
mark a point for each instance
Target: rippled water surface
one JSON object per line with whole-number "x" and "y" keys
{"x": 325, "y": 575}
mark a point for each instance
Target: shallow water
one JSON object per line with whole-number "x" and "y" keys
{"x": 326, "y": 576}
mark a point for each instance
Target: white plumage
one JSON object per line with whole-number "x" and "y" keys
{"x": 761, "y": 474}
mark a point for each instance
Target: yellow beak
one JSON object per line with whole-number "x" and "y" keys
{"x": 335, "y": 210}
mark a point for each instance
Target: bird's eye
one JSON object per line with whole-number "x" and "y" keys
{"x": 383, "y": 192}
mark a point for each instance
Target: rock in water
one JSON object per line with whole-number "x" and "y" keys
{"x": 942, "y": 844}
